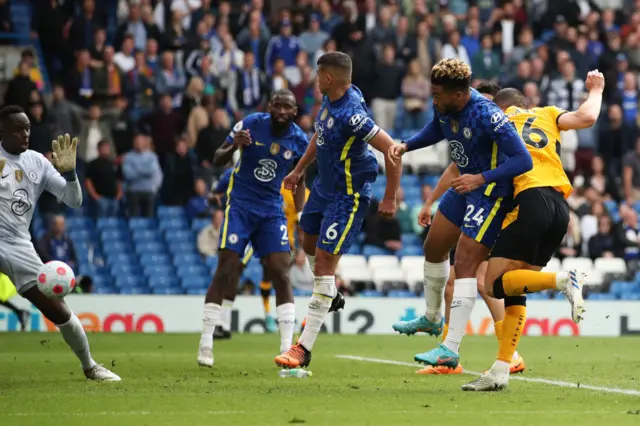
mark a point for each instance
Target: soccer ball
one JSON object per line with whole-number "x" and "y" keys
{"x": 56, "y": 279}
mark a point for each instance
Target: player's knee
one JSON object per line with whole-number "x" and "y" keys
{"x": 434, "y": 253}
{"x": 466, "y": 265}
{"x": 496, "y": 289}
{"x": 515, "y": 301}
{"x": 483, "y": 291}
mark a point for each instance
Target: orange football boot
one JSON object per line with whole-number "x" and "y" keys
{"x": 296, "y": 357}
{"x": 440, "y": 369}
{"x": 517, "y": 365}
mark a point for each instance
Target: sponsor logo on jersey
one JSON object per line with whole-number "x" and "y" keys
{"x": 266, "y": 171}
{"x": 274, "y": 149}
{"x": 19, "y": 175}
{"x": 324, "y": 114}
{"x": 320, "y": 131}
{"x": 457, "y": 153}
{"x": 356, "y": 119}
{"x": 497, "y": 117}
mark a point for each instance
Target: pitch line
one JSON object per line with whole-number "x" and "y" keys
{"x": 512, "y": 377}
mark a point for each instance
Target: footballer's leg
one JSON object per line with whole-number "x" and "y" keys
{"x": 443, "y": 235}
{"x": 223, "y": 330}
{"x": 265, "y": 294}
{"x": 233, "y": 241}
{"x": 340, "y": 226}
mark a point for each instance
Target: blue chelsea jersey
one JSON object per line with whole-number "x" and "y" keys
{"x": 472, "y": 135}
{"x": 344, "y": 128}
{"x": 257, "y": 177}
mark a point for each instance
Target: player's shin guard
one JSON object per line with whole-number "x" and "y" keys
{"x": 73, "y": 333}
{"x": 210, "y": 319}
{"x": 324, "y": 290}
{"x": 465, "y": 294}
{"x": 286, "y": 322}
{"x": 514, "y": 320}
{"x": 523, "y": 281}
{"x": 225, "y": 317}
{"x": 436, "y": 276}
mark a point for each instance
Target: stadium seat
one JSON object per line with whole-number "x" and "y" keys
{"x": 197, "y": 291}
{"x": 122, "y": 281}
{"x": 408, "y": 263}
{"x": 167, "y": 290}
{"x": 355, "y": 249}
{"x": 554, "y": 265}
{"x": 170, "y": 212}
{"x": 155, "y": 259}
{"x": 186, "y": 259}
{"x": 213, "y": 261}
{"x": 195, "y": 281}
{"x": 105, "y": 290}
{"x": 110, "y": 223}
{"x": 411, "y": 240}
{"x": 187, "y": 270}
{"x": 150, "y": 247}
{"x": 297, "y": 292}
{"x": 415, "y": 279}
{"x": 610, "y": 265}
{"x": 383, "y": 262}
{"x": 381, "y": 276}
{"x": 411, "y": 251}
{"x": 119, "y": 269}
{"x": 113, "y": 234}
{"x": 356, "y": 274}
{"x": 600, "y": 296}
{"x": 163, "y": 281}
{"x": 74, "y": 223}
{"x": 184, "y": 247}
{"x": 370, "y": 250}
{"x": 370, "y": 293}
{"x": 101, "y": 281}
{"x": 173, "y": 236}
{"x": 142, "y": 223}
{"x": 135, "y": 290}
{"x": 199, "y": 224}
{"x": 582, "y": 264}
{"x": 252, "y": 274}
{"x": 159, "y": 270}
{"x": 117, "y": 247}
{"x": 595, "y": 278}
{"x": 120, "y": 258}
{"x": 146, "y": 235}
{"x": 409, "y": 181}
{"x": 349, "y": 261}
{"x": 80, "y": 235}
{"x": 173, "y": 224}
{"x": 400, "y": 294}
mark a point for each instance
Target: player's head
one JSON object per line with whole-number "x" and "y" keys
{"x": 282, "y": 108}
{"x": 334, "y": 71}
{"x": 15, "y": 129}
{"x": 510, "y": 97}
{"x": 488, "y": 89}
{"x": 450, "y": 80}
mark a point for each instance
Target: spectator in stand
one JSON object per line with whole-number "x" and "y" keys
{"x": 255, "y": 39}
{"x": 179, "y": 172}
{"x": 453, "y": 49}
{"x": 628, "y": 229}
{"x": 587, "y": 146}
{"x": 198, "y": 205}
{"x": 606, "y": 242}
{"x": 133, "y": 26}
{"x": 199, "y": 119}
{"x": 108, "y": 79}
{"x": 41, "y": 129}
{"x": 313, "y": 39}
{"x": 93, "y": 130}
{"x": 83, "y": 26}
{"x": 27, "y": 57}
{"x": 485, "y": 63}
{"x": 601, "y": 182}
{"x": 140, "y": 86}
{"x": 304, "y": 91}
{"x": 152, "y": 55}
{"x": 142, "y": 178}
{"x": 278, "y": 80}
{"x": 416, "y": 90}
{"x": 48, "y": 26}
{"x": 427, "y": 48}
{"x": 227, "y": 59}
{"x": 122, "y": 128}
{"x": 294, "y": 74}
{"x": 284, "y": 46}
{"x": 103, "y": 182}
{"x": 471, "y": 38}
{"x": 404, "y": 213}
{"x": 211, "y": 138}
{"x": 532, "y": 95}
{"x": 125, "y": 59}
{"x": 56, "y": 245}
{"x": 571, "y": 245}
{"x": 201, "y": 50}
{"x": 247, "y": 88}
{"x": 165, "y": 124}
{"x": 20, "y": 87}
{"x": 404, "y": 42}
{"x": 79, "y": 80}
{"x": 96, "y": 51}
{"x": 383, "y": 31}
{"x": 176, "y": 35}
{"x": 209, "y": 236}
{"x": 64, "y": 116}
{"x": 631, "y": 175}
{"x": 615, "y": 139}
{"x": 382, "y": 231}
{"x": 568, "y": 148}
{"x": 630, "y": 100}
{"x": 300, "y": 273}
{"x": 566, "y": 91}
{"x": 388, "y": 81}
{"x": 170, "y": 79}
{"x": 192, "y": 97}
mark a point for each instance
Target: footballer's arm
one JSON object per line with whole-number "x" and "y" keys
{"x": 65, "y": 187}
{"x": 224, "y": 154}
{"x": 444, "y": 183}
{"x": 300, "y": 194}
{"x": 393, "y": 169}
{"x": 308, "y": 157}
{"x": 589, "y": 111}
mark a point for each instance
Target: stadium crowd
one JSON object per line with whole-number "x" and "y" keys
{"x": 152, "y": 88}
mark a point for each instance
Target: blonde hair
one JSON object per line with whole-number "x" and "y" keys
{"x": 451, "y": 73}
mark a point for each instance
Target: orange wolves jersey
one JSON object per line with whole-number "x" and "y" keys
{"x": 538, "y": 128}
{"x": 291, "y": 214}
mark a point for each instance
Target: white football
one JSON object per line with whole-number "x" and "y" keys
{"x": 56, "y": 279}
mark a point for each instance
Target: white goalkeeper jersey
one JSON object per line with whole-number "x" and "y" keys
{"x": 22, "y": 179}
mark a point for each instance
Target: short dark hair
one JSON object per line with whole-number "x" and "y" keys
{"x": 510, "y": 97}
{"x": 338, "y": 60}
{"x": 452, "y": 74}
{"x": 283, "y": 92}
{"x": 488, "y": 88}
{"x": 10, "y": 110}
{"x": 103, "y": 142}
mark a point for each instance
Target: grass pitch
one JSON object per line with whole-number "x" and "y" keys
{"x": 41, "y": 383}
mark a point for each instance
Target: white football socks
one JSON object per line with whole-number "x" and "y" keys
{"x": 286, "y": 322}
{"x": 324, "y": 290}
{"x": 225, "y": 316}
{"x": 436, "y": 276}
{"x": 76, "y": 338}
{"x": 312, "y": 263}
{"x": 465, "y": 294}
{"x": 210, "y": 318}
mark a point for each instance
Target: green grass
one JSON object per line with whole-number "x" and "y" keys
{"x": 41, "y": 383}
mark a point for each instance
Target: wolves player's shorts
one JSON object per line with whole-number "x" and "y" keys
{"x": 533, "y": 231}
{"x": 478, "y": 216}
{"x": 20, "y": 262}
{"x": 267, "y": 234}
{"x": 336, "y": 221}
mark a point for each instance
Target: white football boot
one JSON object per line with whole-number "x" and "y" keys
{"x": 100, "y": 373}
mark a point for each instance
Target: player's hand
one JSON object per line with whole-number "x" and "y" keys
{"x": 64, "y": 153}
{"x": 291, "y": 181}
{"x": 242, "y": 138}
{"x": 424, "y": 217}
{"x": 467, "y": 183}
{"x": 387, "y": 207}
{"x": 396, "y": 151}
{"x": 595, "y": 81}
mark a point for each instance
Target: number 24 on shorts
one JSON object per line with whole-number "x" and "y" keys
{"x": 473, "y": 215}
